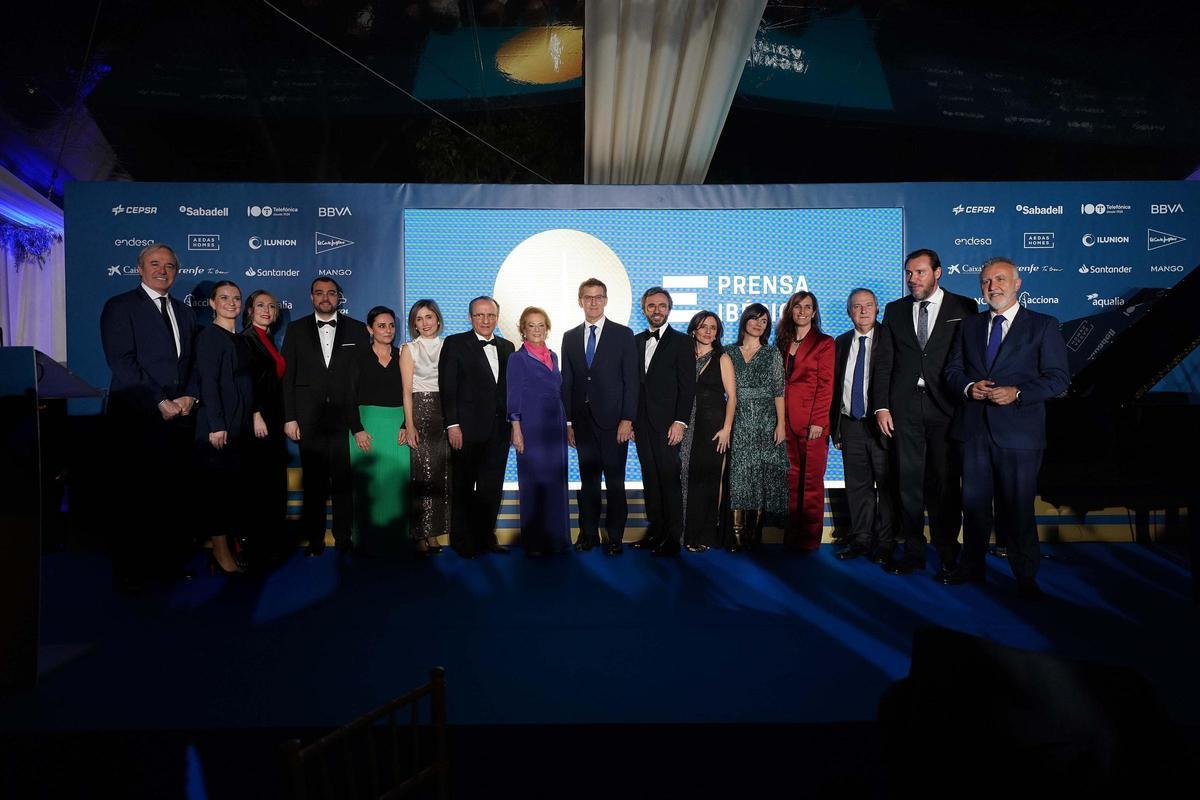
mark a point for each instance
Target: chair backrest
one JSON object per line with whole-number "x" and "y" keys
{"x": 367, "y": 758}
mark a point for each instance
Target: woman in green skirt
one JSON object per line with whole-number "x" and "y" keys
{"x": 379, "y": 457}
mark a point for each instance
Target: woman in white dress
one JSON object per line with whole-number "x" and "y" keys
{"x": 429, "y": 487}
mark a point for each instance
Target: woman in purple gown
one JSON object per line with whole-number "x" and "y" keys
{"x": 539, "y": 435}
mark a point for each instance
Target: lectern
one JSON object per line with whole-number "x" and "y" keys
{"x": 28, "y": 378}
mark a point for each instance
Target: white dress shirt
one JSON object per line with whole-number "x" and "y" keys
{"x": 493, "y": 356}
{"x": 931, "y": 311}
{"x": 651, "y": 346}
{"x": 326, "y": 333}
{"x": 857, "y": 352}
{"x": 170, "y": 313}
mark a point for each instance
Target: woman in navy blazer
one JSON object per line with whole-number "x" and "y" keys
{"x": 225, "y": 422}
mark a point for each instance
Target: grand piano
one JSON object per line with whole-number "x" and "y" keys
{"x": 1113, "y": 442}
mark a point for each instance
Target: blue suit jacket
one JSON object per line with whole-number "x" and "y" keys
{"x": 140, "y": 352}
{"x": 608, "y": 390}
{"x": 1032, "y": 357}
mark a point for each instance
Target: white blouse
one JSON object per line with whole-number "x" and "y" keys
{"x": 425, "y": 354}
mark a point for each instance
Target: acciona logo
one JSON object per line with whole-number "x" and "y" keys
{"x": 189, "y": 211}
{"x": 1091, "y": 240}
{"x": 1039, "y": 210}
{"x": 258, "y": 243}
{"x": 1027, "y": 299}
{"x": 117, "y": 210}
{"x": 324, "y": 242}
{"x": 271, "y": 211}
{"x": 974, "y": 241}
{"x": 1104, "y": 208}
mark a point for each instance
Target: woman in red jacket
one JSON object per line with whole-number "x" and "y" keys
{"x": 808, "y": 370}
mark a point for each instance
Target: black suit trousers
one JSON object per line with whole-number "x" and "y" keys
{"x": 663, "y": 489}
{"x": 869, "y": 489}
{"x": 325, "y": 464}
{"x": 1006, "y": 479}
{"x": 477, "y": 484}
{"x": 599, "y": 452}
{"x": 928, "y": 475}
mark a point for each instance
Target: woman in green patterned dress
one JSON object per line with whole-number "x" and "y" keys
{"x": 758, "y": 457}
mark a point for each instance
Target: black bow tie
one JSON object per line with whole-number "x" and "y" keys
{"x": 330, "y": 322}
{"x": 653, "y": 334}
{"x": 492, "y": 342}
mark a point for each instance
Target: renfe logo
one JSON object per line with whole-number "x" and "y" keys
{"x": 331, "y": 211}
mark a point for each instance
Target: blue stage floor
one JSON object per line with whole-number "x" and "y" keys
{"x": 579, "y": 638}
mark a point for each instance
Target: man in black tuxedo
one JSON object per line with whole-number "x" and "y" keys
{"x": 474, "y": 393}
{"x": 918, "y": 412}
{"x": 317, "y": 350}
{"x": 667, "y": 389}
{"x": 147, "y": 337}
{"x": 859, "y": 354}
{"x": 600, "y": 393}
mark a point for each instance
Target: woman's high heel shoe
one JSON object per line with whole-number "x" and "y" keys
{"x": 215, "y": 567}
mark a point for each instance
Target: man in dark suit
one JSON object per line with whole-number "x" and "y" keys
{"x": 474, "y": 393}
{"x": 859, "y": 354}
{"x": 918, "y": 412}
{"x": 317, "y": 349}
{"x": 600, "y": 393}
{"x": 667, "y": 389}
{"x": 147, "y": 337}
{"x": 1006, "y": 364}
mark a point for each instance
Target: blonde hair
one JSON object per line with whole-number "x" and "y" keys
{"x": 528, "y": 312}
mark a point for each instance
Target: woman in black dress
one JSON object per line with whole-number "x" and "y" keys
{"x": 706, "y": 440}
{"x": 266, "y": 454}
{"x": 225, "y": 418}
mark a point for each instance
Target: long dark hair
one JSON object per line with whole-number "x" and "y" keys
{"x": 248, "y": 310}
{"x": 754, "y": 311}
{"x": 787, "y": 326}
{"x": 697, "y": 320}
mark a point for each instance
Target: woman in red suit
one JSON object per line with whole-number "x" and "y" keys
{"x": 808, "y": 369}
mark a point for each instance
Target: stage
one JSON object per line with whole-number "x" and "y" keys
{"x": 707, "y": 641}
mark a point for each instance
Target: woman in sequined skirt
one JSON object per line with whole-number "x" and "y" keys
{"x": 429, "y": 484}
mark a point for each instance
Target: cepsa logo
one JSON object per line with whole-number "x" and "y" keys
{"x": 117, "y": 210}
{"x": 961, "y": 209}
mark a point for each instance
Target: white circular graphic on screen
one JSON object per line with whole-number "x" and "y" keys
{"x": 546, "y": 269}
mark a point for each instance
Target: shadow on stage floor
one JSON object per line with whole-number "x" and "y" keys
{"x": 614, "y": 675}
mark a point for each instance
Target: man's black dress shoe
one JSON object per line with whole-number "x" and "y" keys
{"x": 645, "y": 543}
{"x": 904, "y": 565}
{"x": 614, "y": 549}
{"x": 666, "y": 549}
{"x": 998, "y": 551}
{"x": 963, "y": 573}
{"x": 880, "y": 556}
{"x": 852, "y": 551}
{"x": 1028, "y": 589}
{"x": 583, "y": 545}
{"x": 498, "y": 548}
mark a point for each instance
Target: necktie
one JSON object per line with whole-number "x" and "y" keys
{"x": 652, "y": 335}
{"x": 858, "y": 408}
{"x": 330, "y": 322}
{"x": 923, "y": 324}
{"x": 993, "y": 344}
{"x": 492, "y": 342}
{"x": 590, "y": 352}
{"x": 162, "y": 307}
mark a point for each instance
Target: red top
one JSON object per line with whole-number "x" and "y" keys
{"x": 280, "y": 364}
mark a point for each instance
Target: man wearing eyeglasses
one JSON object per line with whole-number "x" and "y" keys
{"x": 600, "y": 383}
{"x": 474, "y": 393}
{"x": 316, "y": 350}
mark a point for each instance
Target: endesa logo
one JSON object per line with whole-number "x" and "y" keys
{"x": 257, "y": 242}
{"x": 961, "y": 209}
{"x": 134, "y": 210}
{"x": 1103, "y": 208}
{"x": 189, "y": 211}
{"x": 974, "y": 241}
{"x": 1091, "y": 240}
{"x": 1039, "y": 241}
{"x": 1166, "y": 208}
{"x": 132, "y": 242}
{"x": 1105, "y": 269}
{"x": 1166, "y": 267}
{"x": 271, "y": 211}
{"x": 334, "y": 211}
{"x": 1039, "y": 210}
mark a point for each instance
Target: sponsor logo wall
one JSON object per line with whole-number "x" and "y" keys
{"x": 1080, "y": 247}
